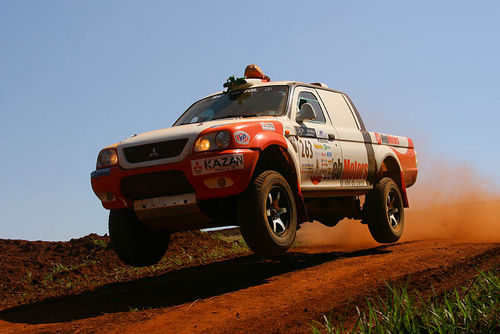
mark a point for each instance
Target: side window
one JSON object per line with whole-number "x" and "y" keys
{"x": 307, "y": 97}
{"x": 338, "y": 109}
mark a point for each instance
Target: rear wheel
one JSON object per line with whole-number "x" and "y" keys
{"x": 384, "y": 211}
{"x": 267, "y": 215}
{"x": 135, "y": 244}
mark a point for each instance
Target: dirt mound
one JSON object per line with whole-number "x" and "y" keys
{"x": 36, "y": 270}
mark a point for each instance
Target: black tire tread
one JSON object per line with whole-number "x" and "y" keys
{"x": 256, "y": 235}
{"x": 375, "y": 212}
{"x": 135, "y": 244}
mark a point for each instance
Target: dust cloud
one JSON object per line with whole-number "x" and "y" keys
{"x": 447, "y": 202}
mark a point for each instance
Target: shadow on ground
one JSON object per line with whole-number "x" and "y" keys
{"x": 173, "y": 288}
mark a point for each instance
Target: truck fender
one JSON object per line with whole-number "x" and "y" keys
{"x": 264, "y": 139}
{"x": 384, "y": 154}
{"x": 272, "y": 140}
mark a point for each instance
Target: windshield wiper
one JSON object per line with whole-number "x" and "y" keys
{"x": 235, "y": 116}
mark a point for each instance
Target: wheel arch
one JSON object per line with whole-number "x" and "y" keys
{"x": 390, "y": 167}
{"x": 277, "y": 158}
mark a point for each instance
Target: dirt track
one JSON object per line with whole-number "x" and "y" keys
{"x": 246, "y": 294}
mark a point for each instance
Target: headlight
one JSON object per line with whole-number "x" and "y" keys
{"x": 213, "y": 141}
{"x": 222, "y": 139}
{"x": 106, "y": 158}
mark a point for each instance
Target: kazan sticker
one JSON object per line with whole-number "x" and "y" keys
{"x": 241, "y": 137}
{"x": 218, "y": 164}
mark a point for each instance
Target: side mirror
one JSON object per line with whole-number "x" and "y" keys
{"x": 305, "y": 113}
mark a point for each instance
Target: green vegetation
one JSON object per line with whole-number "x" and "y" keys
{"x": 100, "y": 243}
{"x": 471, "y": 309}
{"x": 239, "y": 246}
{"x": 227, "y": 237}
{"x": 59, "y": 268}
{"x": 137, "y": 309}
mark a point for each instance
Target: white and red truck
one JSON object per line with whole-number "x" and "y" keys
{"x": 264, "y": 155}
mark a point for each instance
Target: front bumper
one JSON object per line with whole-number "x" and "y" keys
{"x": 207, "y": 184}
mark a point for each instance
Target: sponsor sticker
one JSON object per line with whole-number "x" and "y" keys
{"x": 386, "y": 139}
{"x": 322, "y": 134}
{"x": 241, "y": 137}
{"x": 267, "y": 126}
{"x": 303, "y": 131}
{"x": 353, "y": 183}
{"x": 349, "y": 170}
{"x": 217, "y": 164}
{"x": 100, "y": 172}
{"x": 316, "y": 179}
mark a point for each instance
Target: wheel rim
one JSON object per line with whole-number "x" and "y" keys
{"x": 393, "y": 209}
{"x": 278, "y": 211}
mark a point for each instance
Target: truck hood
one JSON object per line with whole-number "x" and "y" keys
{"x": 186, "y": 131}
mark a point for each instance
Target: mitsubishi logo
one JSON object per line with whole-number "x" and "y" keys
{"x": 153, "y": 154}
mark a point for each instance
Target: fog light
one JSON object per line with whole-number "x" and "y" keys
{"x": 221, "y": 182}
{"x": 203, "y": 145}
{"x": 106, "y": 197}
{"x": 218, "y": 182}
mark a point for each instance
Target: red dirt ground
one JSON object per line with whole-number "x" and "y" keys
{"x": 238, "y": 294}
{"x": 33, "y": 271}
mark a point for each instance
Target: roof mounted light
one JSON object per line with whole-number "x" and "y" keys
{"x": 320, "y": 84}
{"x": 253, "y": 71}
{"x": 253, "y": 75}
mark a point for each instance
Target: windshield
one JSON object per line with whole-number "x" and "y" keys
{"x": 251, "y": 102}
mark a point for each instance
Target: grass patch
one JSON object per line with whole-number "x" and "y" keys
{"x": 471, "y": 309}
{"x": 59, "y": 268}
{"x": 239, "y": 246}
{"x": 100, "y": 243}
{"x": 227, "y": 237}
{"x": 297, "y": 244}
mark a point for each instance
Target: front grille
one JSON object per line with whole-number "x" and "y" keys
{"x": 155, "y": 151}
{"x": 142, "y": 186}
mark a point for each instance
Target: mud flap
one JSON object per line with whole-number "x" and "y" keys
{"x": 406, "y": 204}
{"x": 302, "y": 215}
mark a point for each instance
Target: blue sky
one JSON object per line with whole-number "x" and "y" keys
{"x": 76, "y": 76}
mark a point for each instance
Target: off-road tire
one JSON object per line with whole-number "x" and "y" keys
{"x": 377, "y": 212}
{"x": 135, "y": 244}
{"x": 257, "y": 213}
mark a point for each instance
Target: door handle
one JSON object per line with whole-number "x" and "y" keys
{"x": 331, "y": 136}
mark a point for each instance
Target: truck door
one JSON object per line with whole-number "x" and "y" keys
{"x": 318, "y": 149}
{"x": 354, "y": 167}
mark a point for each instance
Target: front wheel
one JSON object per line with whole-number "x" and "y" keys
{"x": 267, "y": 215}
{"x": 135, "y": 243}
{"x": 384, "y": 211}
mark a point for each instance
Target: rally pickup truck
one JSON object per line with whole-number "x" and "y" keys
{"x": 264, "y": 155}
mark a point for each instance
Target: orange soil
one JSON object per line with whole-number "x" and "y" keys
{"x": 246, "y": 294}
